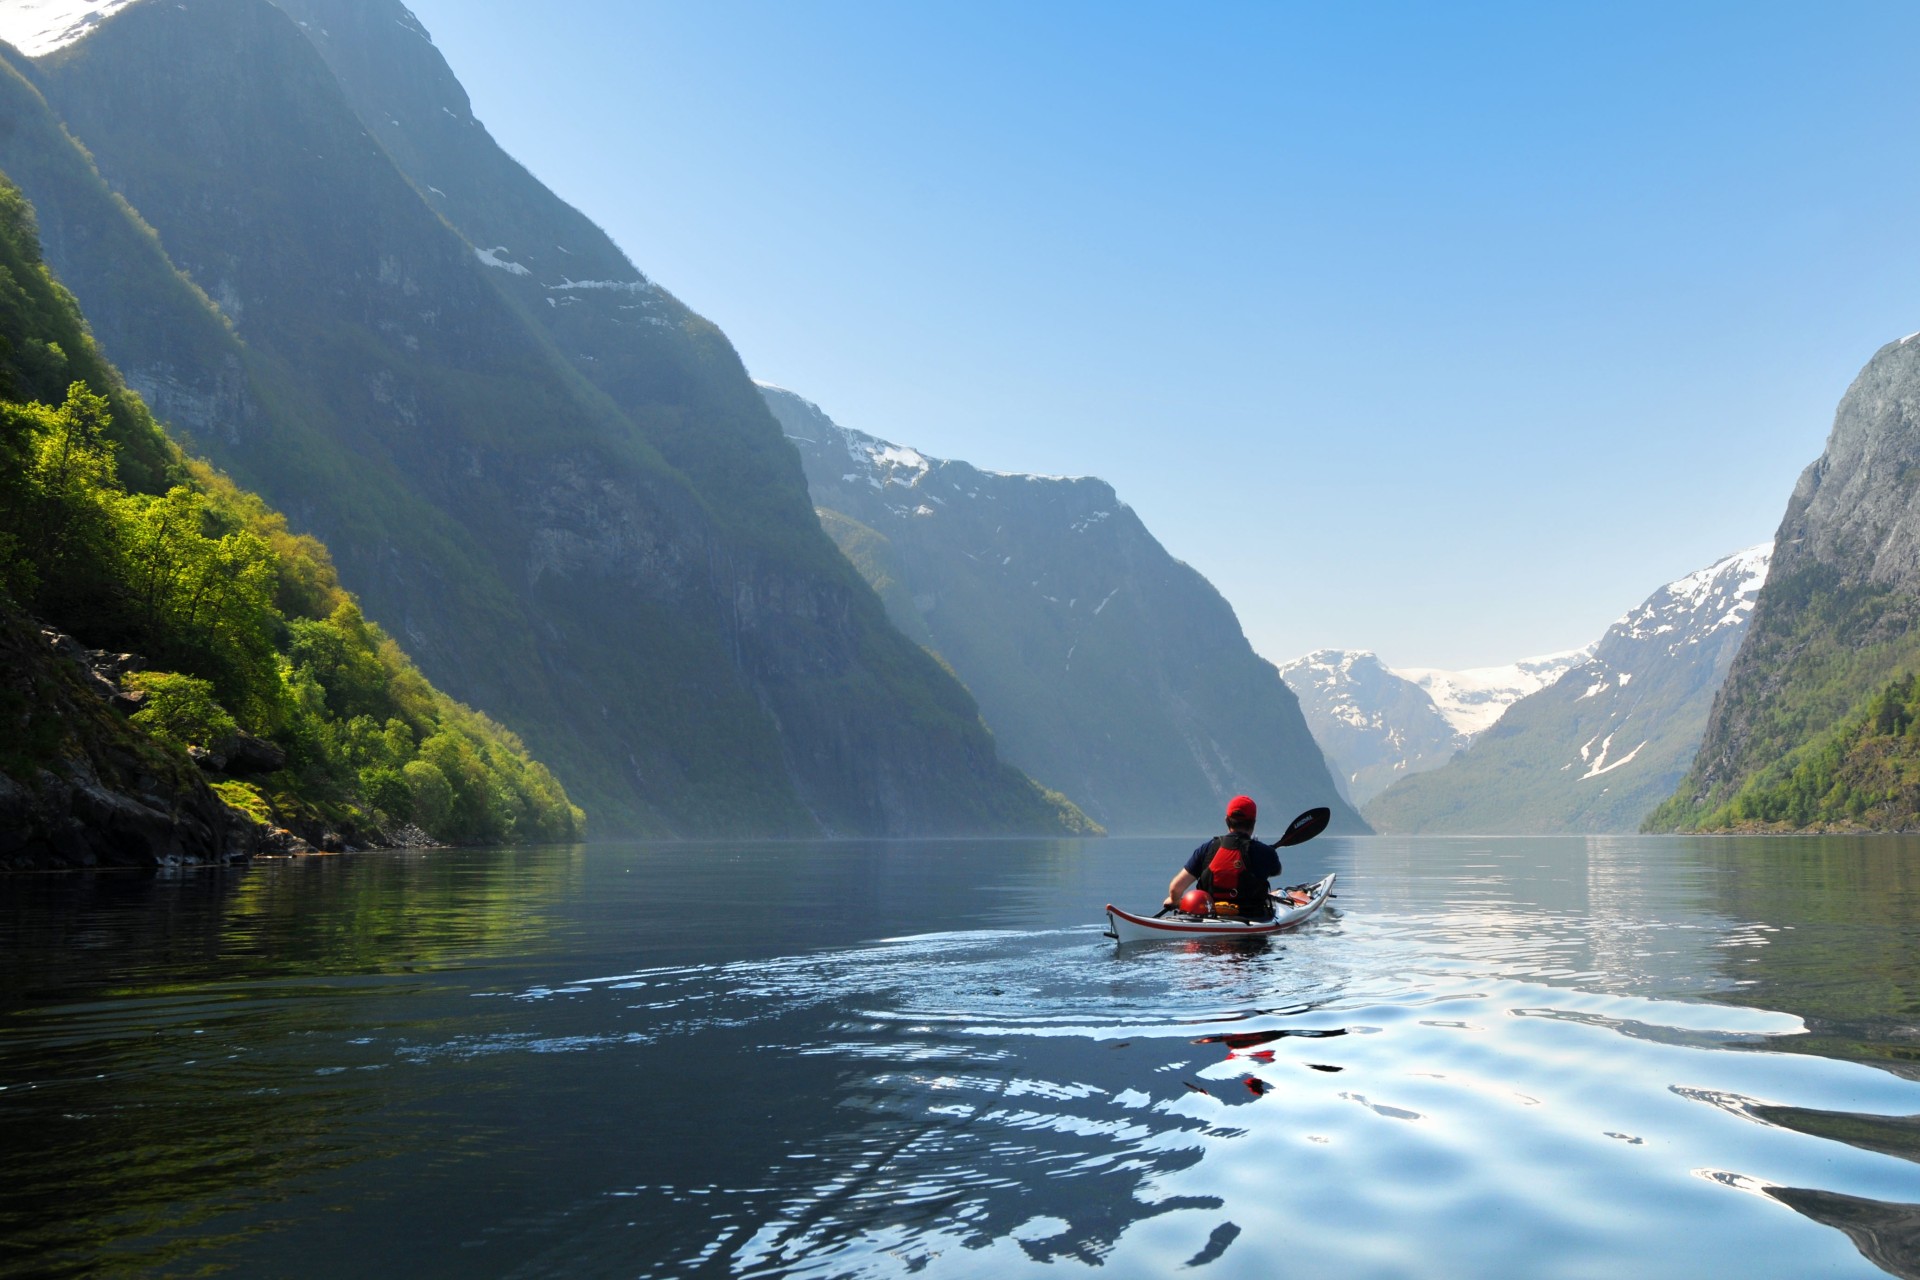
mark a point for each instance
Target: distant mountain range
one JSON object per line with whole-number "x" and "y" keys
{"x": 1106, "y": 668}
{"x": 539, "y": 471}
{"x": 1375, "y": 725}
{"x": 1379, "y": 725}
{"x": 1600, "y": 747}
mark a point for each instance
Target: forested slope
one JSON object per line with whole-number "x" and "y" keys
{"x": 156, "y": 615}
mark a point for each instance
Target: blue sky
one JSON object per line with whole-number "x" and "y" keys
{"x": 1444, "y": 330}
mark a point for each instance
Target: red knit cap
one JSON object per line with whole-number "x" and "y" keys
{"x": 1241, "y": 809}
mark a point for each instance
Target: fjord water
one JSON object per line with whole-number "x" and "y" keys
{"x": 1572, "y": 1057}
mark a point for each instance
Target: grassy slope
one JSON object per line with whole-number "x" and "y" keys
{"x": 1498, "y": 785}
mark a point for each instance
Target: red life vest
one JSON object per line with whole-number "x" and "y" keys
{"x": 1236, "y": 887}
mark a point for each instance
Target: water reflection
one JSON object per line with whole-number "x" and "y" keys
{"x": 1663, "y": 1057}
{"x": 167, "y": 1040}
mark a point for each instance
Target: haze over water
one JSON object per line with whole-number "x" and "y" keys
{"x": 1553, "y": 1057}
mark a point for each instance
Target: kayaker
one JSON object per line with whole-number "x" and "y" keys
{"x": 1236, "y": 870}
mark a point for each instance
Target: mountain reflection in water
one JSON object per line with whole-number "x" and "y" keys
{"x": 1512, "y": 1057}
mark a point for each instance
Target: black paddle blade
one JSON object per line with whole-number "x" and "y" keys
{"x": 1305, "y": 827}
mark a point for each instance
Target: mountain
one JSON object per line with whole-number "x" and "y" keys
{"x": 239, "y": 692}
{"x": 1379, "y": 724}
{"x": 1601, "y": 746}
{"x": 1374, "y": 724}
{"x": 537, "y": 468}
{"x": 1105, "y": 667}
{"x": 1813, "y": 727}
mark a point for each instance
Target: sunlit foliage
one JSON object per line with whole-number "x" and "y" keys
{"x": 108, "y": 532}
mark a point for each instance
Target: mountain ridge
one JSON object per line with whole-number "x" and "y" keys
{"x": 579, "y": 516}
{"x": 1374, "y": 725}
{"x": 1106, "y": 668}
{"x": 1550, "y": 764}
{"x": 1379, "y": 724}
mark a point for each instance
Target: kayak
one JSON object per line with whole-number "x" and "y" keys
{"x": 1290, "y": 907}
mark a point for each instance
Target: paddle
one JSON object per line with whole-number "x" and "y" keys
{"x": 1304, "y": 828}
{"x": 1299, "y": 831}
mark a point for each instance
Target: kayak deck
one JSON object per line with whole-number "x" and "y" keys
{"x": 1125, "y": 926}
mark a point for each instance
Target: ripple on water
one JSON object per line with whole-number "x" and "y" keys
{"x": 1454, "y": 1082}
{"x": 1005, "y": 1099}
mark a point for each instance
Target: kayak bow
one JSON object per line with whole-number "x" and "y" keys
{"x": 1288, "y": 911}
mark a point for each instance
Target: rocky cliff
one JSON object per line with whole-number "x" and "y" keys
{"x": 1105, "y": 667}
{"x": 543, "y": 473}
{"x": 1807, "y": 731}
{"x": 1596, "y": 750}
{"x": 79, "y": 786}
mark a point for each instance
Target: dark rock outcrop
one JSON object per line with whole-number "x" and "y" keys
{"x": 241, "y": 755}
{"x": 79, "y": 786}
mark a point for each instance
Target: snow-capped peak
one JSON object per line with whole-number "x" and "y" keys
{"x": 38, "y": 27}
{"x": 1332, "y": 661}
{"x": 1694, "y": 607}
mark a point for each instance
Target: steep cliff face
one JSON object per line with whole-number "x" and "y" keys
{"x": 231, "y": 644}
{"x": 1105, "y": 667}
{"x": 550, "y": 479}
{"x": 1833, "y": 630}
{"x": 1599, "y": 748}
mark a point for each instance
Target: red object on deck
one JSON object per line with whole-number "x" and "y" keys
{"x": 1196, "y": 902}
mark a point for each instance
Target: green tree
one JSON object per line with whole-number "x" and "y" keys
{"x": 181, "y": 710}
{"x": 432, "y": 795}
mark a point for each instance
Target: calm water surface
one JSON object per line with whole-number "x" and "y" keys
{"x": 1534, "y": 1058}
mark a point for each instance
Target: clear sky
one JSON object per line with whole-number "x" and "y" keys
{"x": 1444, "y": 330}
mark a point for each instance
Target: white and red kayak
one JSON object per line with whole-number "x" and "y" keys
{"x": 1290, "y": 907}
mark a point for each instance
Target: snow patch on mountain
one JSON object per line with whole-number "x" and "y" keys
{"x": 617, "y": 286}
{"x": 1678, "y": 618}
{"x": 492, "y": 258}
{"x": 1472, "y": 700}
{"x": 1597, "y": 749}
{"x": 38, "y": 27}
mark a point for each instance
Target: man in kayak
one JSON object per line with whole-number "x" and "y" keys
{"x": 1236, "y": 870}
